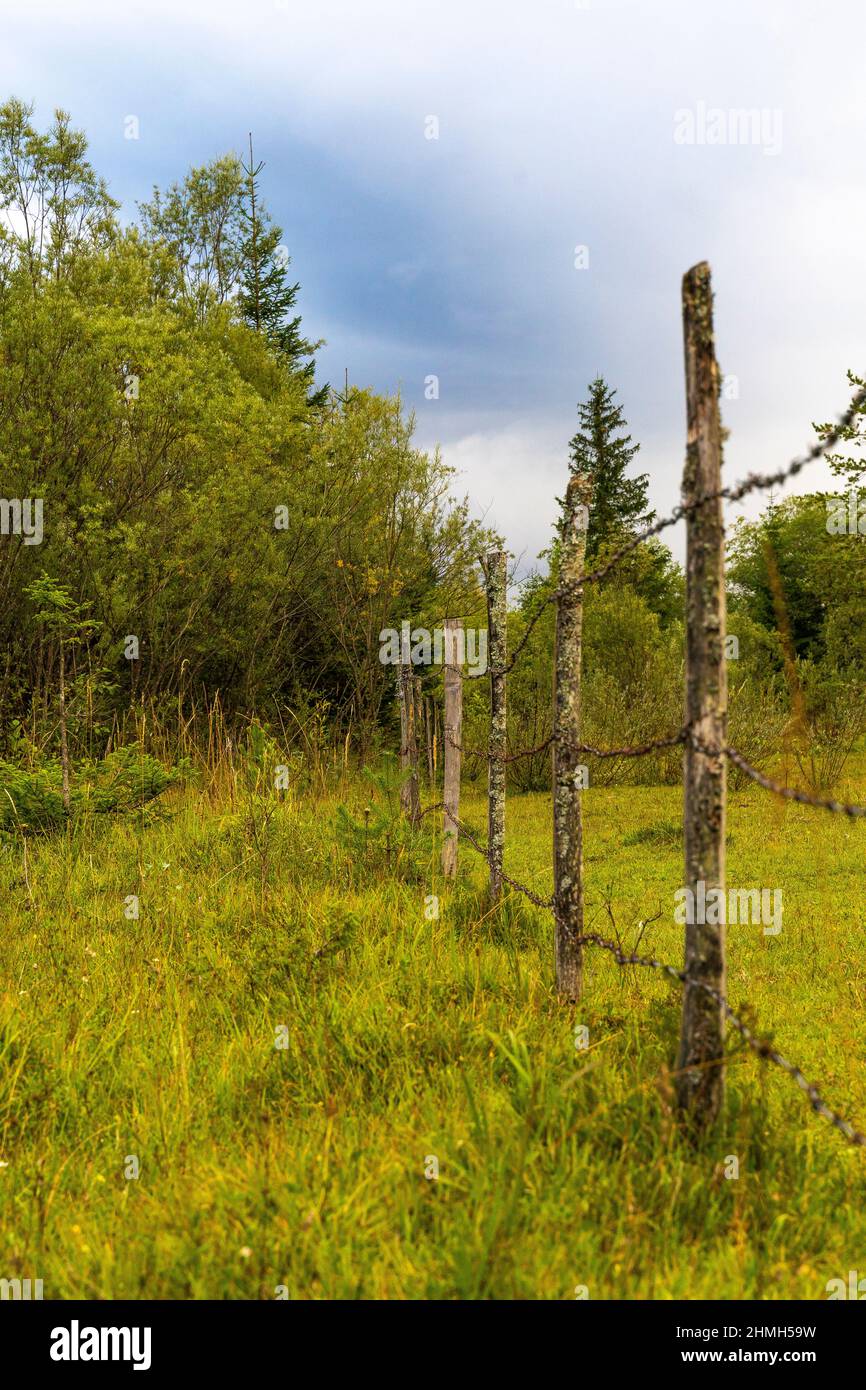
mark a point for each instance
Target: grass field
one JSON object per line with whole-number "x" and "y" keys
{"x": 301, "y": 1167}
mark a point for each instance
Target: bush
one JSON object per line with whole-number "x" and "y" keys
{"x": 31, "y": 800}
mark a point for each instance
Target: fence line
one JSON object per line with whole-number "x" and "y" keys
{"x": 706, "y": 752}
{"x": 759, "y": 1046}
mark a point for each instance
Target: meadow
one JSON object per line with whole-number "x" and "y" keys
{"x": 290, "y": 1042}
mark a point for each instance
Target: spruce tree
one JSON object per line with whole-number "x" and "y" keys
{"x": 603, "y": 449}
{"x": 266, "y": 296}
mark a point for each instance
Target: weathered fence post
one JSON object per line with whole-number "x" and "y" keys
{"x": 428, "y": 742}
{"x": 452, "y": 738}
{"x": 567, "y": 824}
{"x": 700, "y": 1065}
{"x": 410, "y": 796}
{"x": 497, "y": 657}
{"x": 418, "y": 722}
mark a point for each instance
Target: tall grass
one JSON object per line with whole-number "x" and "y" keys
{"x": 410, "y": 1036}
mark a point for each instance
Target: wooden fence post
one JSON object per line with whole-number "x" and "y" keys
{"x": 452, "y": 739}
{"x": 428, "y": 742}
{"x": 497, "y": 657}
{"x": 567, "y": 822}
{"x": 410, "y": 796}
{"x": 700, "y": 1062}
{"x": 418, "y": 723}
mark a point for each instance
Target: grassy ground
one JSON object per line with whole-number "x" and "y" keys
{"x": 408, "y": 1039}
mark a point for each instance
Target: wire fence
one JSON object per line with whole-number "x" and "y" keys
{"x": 760, "y": 1046}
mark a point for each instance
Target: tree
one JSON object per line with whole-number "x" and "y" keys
{"x": 254, "y": 548}
{"x": 266, "y": 297}
{"x": 786, "y": 562}
{"x": 54, "y": 204}
{"x": 601, "y": 449}
{"x": 199, "y": 223}
{"x": 853, "y": 470}
{"x": 220, "y": 246}
{"x": 63, "y": 619}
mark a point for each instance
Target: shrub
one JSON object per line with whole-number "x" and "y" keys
{"x": 31, "y": 800}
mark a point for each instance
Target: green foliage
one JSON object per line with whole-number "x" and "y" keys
{"x": 58, "y": 208}
{"x": 851, "y": 467}
{"x": 255, "y": 546}
{"x": 631, "y": 690}
{"x": 198, "y": 221}
{"x": 124, "y": 781}
{"x": 834, "y": 706}
{"x": 265, "y": 296}
{"x": 603, "y": 450}
{"x": 305, "y": 1167}
{"x": 381, "y": 836}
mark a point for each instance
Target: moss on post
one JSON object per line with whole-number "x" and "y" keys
{"x": 497, "y": 656}
{"x": 452, "y": 737}
{"x": 700, "y": 1062}
{"x": 567, "y": 821}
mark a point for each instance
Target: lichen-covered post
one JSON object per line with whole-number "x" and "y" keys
{"x": 567, "y": 824}
{"x": 428, "y": 741}
{"x": 418, "y": 722}
{"x": 452, "y": 739}
{"x": 410, "y": 796}
{"x": 497, "y": 656}
{"x": 700, "y": 1064}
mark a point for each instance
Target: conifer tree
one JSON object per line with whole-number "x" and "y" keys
{"x": 266, "y": 295}
{"x": 603, "y": 449}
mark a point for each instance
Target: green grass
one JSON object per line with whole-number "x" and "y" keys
{"x": 408, "y": 1038}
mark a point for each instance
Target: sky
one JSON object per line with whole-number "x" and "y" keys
{"x": 504, "y": 197}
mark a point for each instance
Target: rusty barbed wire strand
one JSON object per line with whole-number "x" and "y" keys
{"x": 753, "y": 482}
{"x": 769, "y": 784}
{"x": 790, "y": 793}
{"x": 508, "y": 758}
{"x": 545, "y": 904}
{"x": 759, "y": 1046}
{"x": 639, "y": 751}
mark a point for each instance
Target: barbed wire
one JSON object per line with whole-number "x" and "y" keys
{"x": 546, "y": 904}
{"x": 753, "y": 482}
{"x": 791, "y": 793}
{"x": 761, "y": 1047}
{"x": 639, "y": 751}
{"x": 487, "y": 753}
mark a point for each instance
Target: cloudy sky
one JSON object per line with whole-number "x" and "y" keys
{"x": 606, "y": 125}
